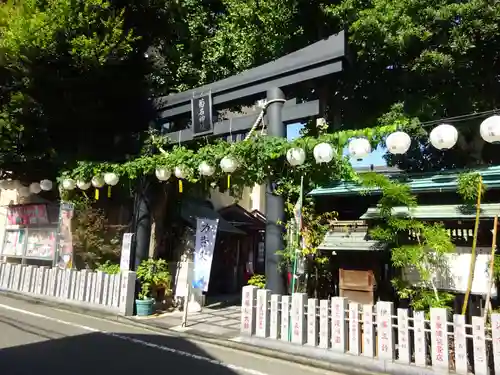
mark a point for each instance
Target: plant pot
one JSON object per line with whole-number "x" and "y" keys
{"x": 144, "y": 307}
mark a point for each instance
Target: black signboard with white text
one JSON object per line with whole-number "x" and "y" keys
{"x": 201, "y": 111}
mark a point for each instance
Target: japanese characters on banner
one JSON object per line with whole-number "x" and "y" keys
{"x": 479, "y": 343}
{"x": 324, "y": 324}
{"x": 263, "y": 296}
{"x": 495, "y": 336}
{"x": 403, "y": 336}
{"x": 419, "y": 333}
{"x": 384, "y": 324}
{"x": 125, "y": 253}
{"x": 206, "y": 232}
{"x": 439, "y": 338}
{"x": 249, "y": 294}
{"x": 368, "y": 333}
{"x": 339, "y": 306}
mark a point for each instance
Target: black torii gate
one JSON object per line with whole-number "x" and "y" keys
{"x": 284, "y": 74}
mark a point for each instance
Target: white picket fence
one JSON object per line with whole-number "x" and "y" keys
{"x": 374, "y": 331}
{"x": 114, "y": 293}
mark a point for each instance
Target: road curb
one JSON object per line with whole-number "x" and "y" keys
{"x": 203, "y": 338}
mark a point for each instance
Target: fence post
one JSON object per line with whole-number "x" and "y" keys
{"x": 285, "y": 317}
{"x": 28, "y": 276}
{"x": 298, "y": 317}
{"x": 16, "y": 279}
{"x": 439, "y": 339}
{"x": 368, "y": 333}
{"x": 6, "y": 276}
{"x": 105, "y": 289}
{"x": 263, "y": 297}
{"x": 312, "y": 322}
{"x": 91, "y": 277}
{"x": 82, "y": 285}
{"x": 384, "y": 330}
{"x": 479, "y": 343}
{"x": 98, "y": 288}
{"x": 403, "y": 337}
{"x": 127, "y": 294}
{"x": 116, "y": 289}
{"x": 59, "y": 283}
{"x": 249, "y": 294}
{"x": 419, "y": 338}
{"x": 339, "y": 331}
{"x": 354, "y": 341}
{"x": 2, "y": 267}
{"x": 324, "y": 324}
{"x": 495, "y": 335}
{"x": 275, "y": 321}
{"x": 460, "y": 340}
{"x": 39, "y": 280}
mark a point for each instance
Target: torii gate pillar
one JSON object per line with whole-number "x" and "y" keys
{"x": 275, "y": 208}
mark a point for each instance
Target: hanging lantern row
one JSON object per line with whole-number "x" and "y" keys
{"x": 26, "y": 191}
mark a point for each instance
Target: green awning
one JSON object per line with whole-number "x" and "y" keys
{"x": 456, "y": 212}
{"x": 191, "y": 210}
{"x": 348, "y": 241}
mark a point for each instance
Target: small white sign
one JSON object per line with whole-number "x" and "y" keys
{"x": 126, "y": 249}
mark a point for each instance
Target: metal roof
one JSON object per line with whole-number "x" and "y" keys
{"x": 418, "y": 183}
{"x": 453, "y": 211}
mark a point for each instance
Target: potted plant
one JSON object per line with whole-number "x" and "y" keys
{"x": 152, "y": 274}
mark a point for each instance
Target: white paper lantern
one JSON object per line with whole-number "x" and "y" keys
{"x": 490, "y": 129}
{"x": 35, "y": 188}
{"x": 180, "y": 172}
{"x": 162, "y": 174}
{"x": 97, "y": 181}
{"x": 296, "y": 156}
{"x": 68, "y": 184}
{"x": 111, "y": 178}
{"x": 206, "y": 169}
{"x": 46, "y": 185}
{"x": 323, "y": 153}
{"x": 444, "y": 136}
{"x": 359, "y": 148}
{"x": 398, "y": 143}
{"x": 82, "y": 185}
{"x": 23, "y": 191}
{"x": 228, "y": 164}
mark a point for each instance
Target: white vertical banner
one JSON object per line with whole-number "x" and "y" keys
{"x": 285, "y": 317}
{"x": 125, "y": 253}
{"x": 368, "y": 332}
{"x": 403, "y": 336}
{"x": 249, "y": 294}
{"x": 384, "y": 329}
{"x": 439, "y": 339}
{"x": 419, "y": 338}
{"x": 206, "y": 232}
{"x": 479, "y": 343}
{"x": 275, "y": 321}
{"x": 263, "y": 297}
{"x": 324, "y": 324}
{"x": 354, "y": 341}
{"x": 495, "y": 337}
{"x": 312, "y": 322}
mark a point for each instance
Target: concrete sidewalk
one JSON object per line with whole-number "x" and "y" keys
{"x": 216, "y": 322}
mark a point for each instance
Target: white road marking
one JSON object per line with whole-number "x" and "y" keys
{"x": 136, "y": 341}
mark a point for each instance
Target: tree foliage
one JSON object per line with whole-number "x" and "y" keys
{"x": 417, "y": 247}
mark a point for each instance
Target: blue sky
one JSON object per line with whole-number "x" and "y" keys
{"x": 375, "y": 158}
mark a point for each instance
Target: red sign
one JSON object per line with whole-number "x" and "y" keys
{"x": 33, "y": 214}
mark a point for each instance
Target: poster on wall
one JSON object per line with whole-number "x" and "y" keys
{"x": 41, "y": 243}
{"x": 14, "y": 242}
{"x": 31, "y": 214}
{"x": 206, "y": 232}
{"x": 65, "y": 237}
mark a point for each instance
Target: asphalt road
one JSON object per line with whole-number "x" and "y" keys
{"x": 36, "y": 339}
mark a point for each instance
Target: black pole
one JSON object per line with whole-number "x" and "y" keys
{"x": 142, "y": 222}
{"x": 275, "y": 208}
